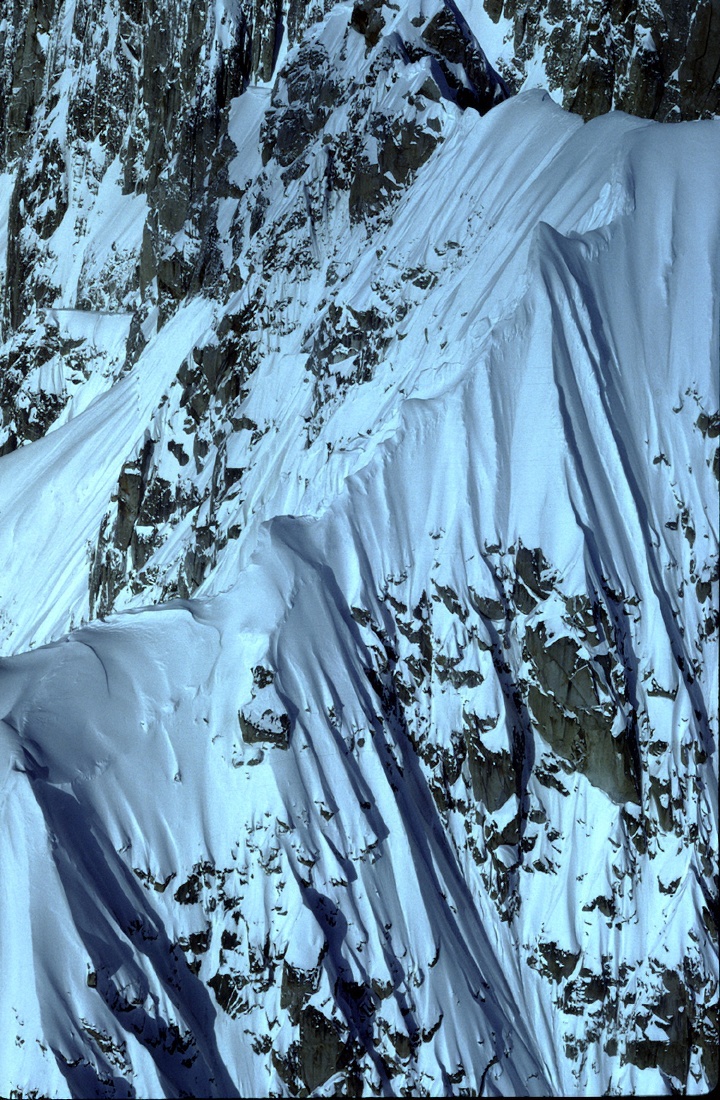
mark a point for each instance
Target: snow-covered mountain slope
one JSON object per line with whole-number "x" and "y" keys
{"x": 387, "y": 763}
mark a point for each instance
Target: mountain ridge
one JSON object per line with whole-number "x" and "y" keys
{"x": 359, "y": 593}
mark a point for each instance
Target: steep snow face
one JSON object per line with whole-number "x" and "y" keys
{"x": 407, "y": 781}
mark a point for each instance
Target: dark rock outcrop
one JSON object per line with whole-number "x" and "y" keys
{"x": 657, "y": 60}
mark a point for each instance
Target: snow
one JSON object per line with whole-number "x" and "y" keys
{"x": 520, "y": 401}
{"x": 245, "y": 118}
{"x": 35, "y": 508}
{"x": 6, "y": 186}
{"x": 117, "y": 222}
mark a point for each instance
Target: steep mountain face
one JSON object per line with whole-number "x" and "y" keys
{"x": 359, "y": 550}
{"x": 85, "y": 293}
{"x": 113, "y": 114}
{"x": 654, "y": 58}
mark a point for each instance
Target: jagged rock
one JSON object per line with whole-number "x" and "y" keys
{"x": 402, "y": 148}
{"x": 22, "y": 39}
{"x": 450, "y": 38}
{"x": 492, "y": 774}
{"x": 699, "y": 69}
{"x": 558, "y": 962}
{"x": 367, "y": 20}
{"x": 228, "y": 990}
{"x": 267, "y": 727}
{"x": 657, "y": 60}
{"x": 296, "y": 988}
{"x": 532, "y": 570}
{"x": 572, "y": 717}
{"x": 321, "y": 1048}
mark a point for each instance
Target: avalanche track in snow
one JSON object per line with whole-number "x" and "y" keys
{"x": 388, "y": 765}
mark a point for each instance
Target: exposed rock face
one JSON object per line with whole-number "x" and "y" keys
{"x": 654, "y": 59}
{"x": 148, "y": 127}
{"x": 97, "y": 102}
{"x": 575, "y": 710}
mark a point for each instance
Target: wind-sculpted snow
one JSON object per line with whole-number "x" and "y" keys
{"x": 263, "y": 852}
{"x": 406, "y": 782}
